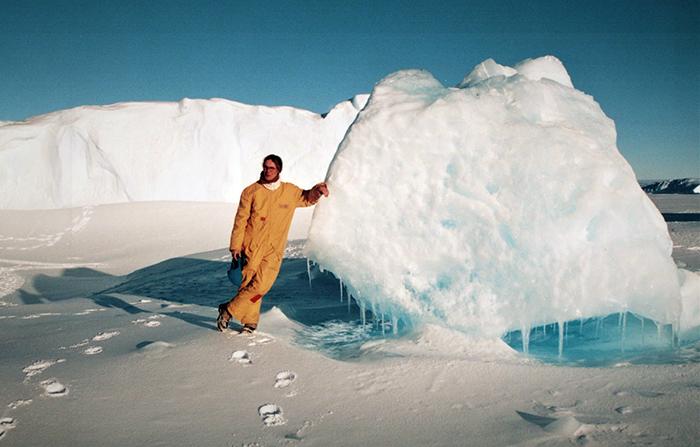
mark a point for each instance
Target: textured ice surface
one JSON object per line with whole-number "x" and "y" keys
{"x": 500, "y": 205}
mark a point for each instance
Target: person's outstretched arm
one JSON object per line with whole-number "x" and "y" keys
{"x": 311, "y": 196}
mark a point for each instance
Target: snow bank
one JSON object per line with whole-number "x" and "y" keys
{"x": 192, "y": 150}
{"x": 495, "y": 206}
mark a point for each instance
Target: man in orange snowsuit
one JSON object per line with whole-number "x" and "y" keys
{"x": 259, "y": 236}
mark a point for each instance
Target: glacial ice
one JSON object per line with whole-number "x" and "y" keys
{"x": 499, "y": 205}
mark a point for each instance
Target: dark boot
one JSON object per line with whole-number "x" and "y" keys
{"x": 224, "y": 316}
{"x": 248, "y": 328}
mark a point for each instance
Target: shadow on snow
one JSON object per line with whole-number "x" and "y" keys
{"x": 335, "y": 327}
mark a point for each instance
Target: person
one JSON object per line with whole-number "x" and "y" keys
{"x": 259, "y": 237}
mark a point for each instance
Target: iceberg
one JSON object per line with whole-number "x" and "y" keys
{"x": 497, "y": 205}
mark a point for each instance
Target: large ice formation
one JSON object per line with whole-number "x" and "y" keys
{"x": 191, "y": 150}
{"x": 498, "y": 205}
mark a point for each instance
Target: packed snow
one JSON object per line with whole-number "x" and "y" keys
{"x": 500, "y": 205}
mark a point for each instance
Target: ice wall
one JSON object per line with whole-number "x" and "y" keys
{"x": 495, "y": 206}
{"x": 192, "y": 150}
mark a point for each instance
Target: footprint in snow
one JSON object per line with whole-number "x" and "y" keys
{"x": 651, "y": 394}
{"x": 102, "y": 336}
{"x": 43, "y": 314}
{"x": 260, "y": 341}
{"x": 89, "y": 311}
{"x": 6, "y": 424}
{"x": 54, "y": 388}
{"x": 241, "y": 357}
{"x": 284, "y": 379}
{"x": 92, "y": 350}
{"x": 149, "y": 322}
{"x": 40, "y": 366}
{"x": 642, "y": 393}
{"x": 18, "y": 403}
{"x": 78, "y": 345}
{"x": 271, "y": 415}
{"x": 624, "y": 410}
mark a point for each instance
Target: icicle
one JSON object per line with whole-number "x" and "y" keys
{"x": 394, "y": 325}
{"x": 308, "y": 271}
{"x": 340, "y": 281}
{"x": 675, "y": 337}
{"x": 362, "y": 312}
{"x": 619, "y": 320}
{"x": 562, "y": 326}
{"x": 383, "y": 329}
{"x": 642, "y": 320}
{"x": 598, "y": 324}
{"x": 566, "y": 330}
{"x": 349, "y": 301}
{"x": 525, "y": 336}
{"x": 623, "y": 331}
{"x": 544, "y": 329}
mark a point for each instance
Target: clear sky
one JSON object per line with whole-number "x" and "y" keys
{"x": 639, "y": 59}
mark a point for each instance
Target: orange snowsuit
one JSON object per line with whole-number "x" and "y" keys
{"x": 260, "y": 232}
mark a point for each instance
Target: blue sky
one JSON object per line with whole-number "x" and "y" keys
{"x": 639, "y": 59}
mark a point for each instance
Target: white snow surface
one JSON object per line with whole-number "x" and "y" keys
{"x": 500, "y": 205}
{"x": 175, "y": 384}
{"x": 191, "y": 150}
{"x": 546, "y": 67}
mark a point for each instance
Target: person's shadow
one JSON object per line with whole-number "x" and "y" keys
{"x": 195, "y": 280}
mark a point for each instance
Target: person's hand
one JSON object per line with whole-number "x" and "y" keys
{"x": 236, "y": 254}
{"x": 322, "y": 188}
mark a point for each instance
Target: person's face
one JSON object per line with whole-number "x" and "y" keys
{"x": 270, "y": 171}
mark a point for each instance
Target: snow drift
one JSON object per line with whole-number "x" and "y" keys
{"x": 498, "y": 205}
{"x": 192, "y": 150}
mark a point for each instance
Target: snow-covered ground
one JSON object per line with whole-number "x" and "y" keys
{"x": 114, "y": 226}
{"x": 108, "y": 338}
